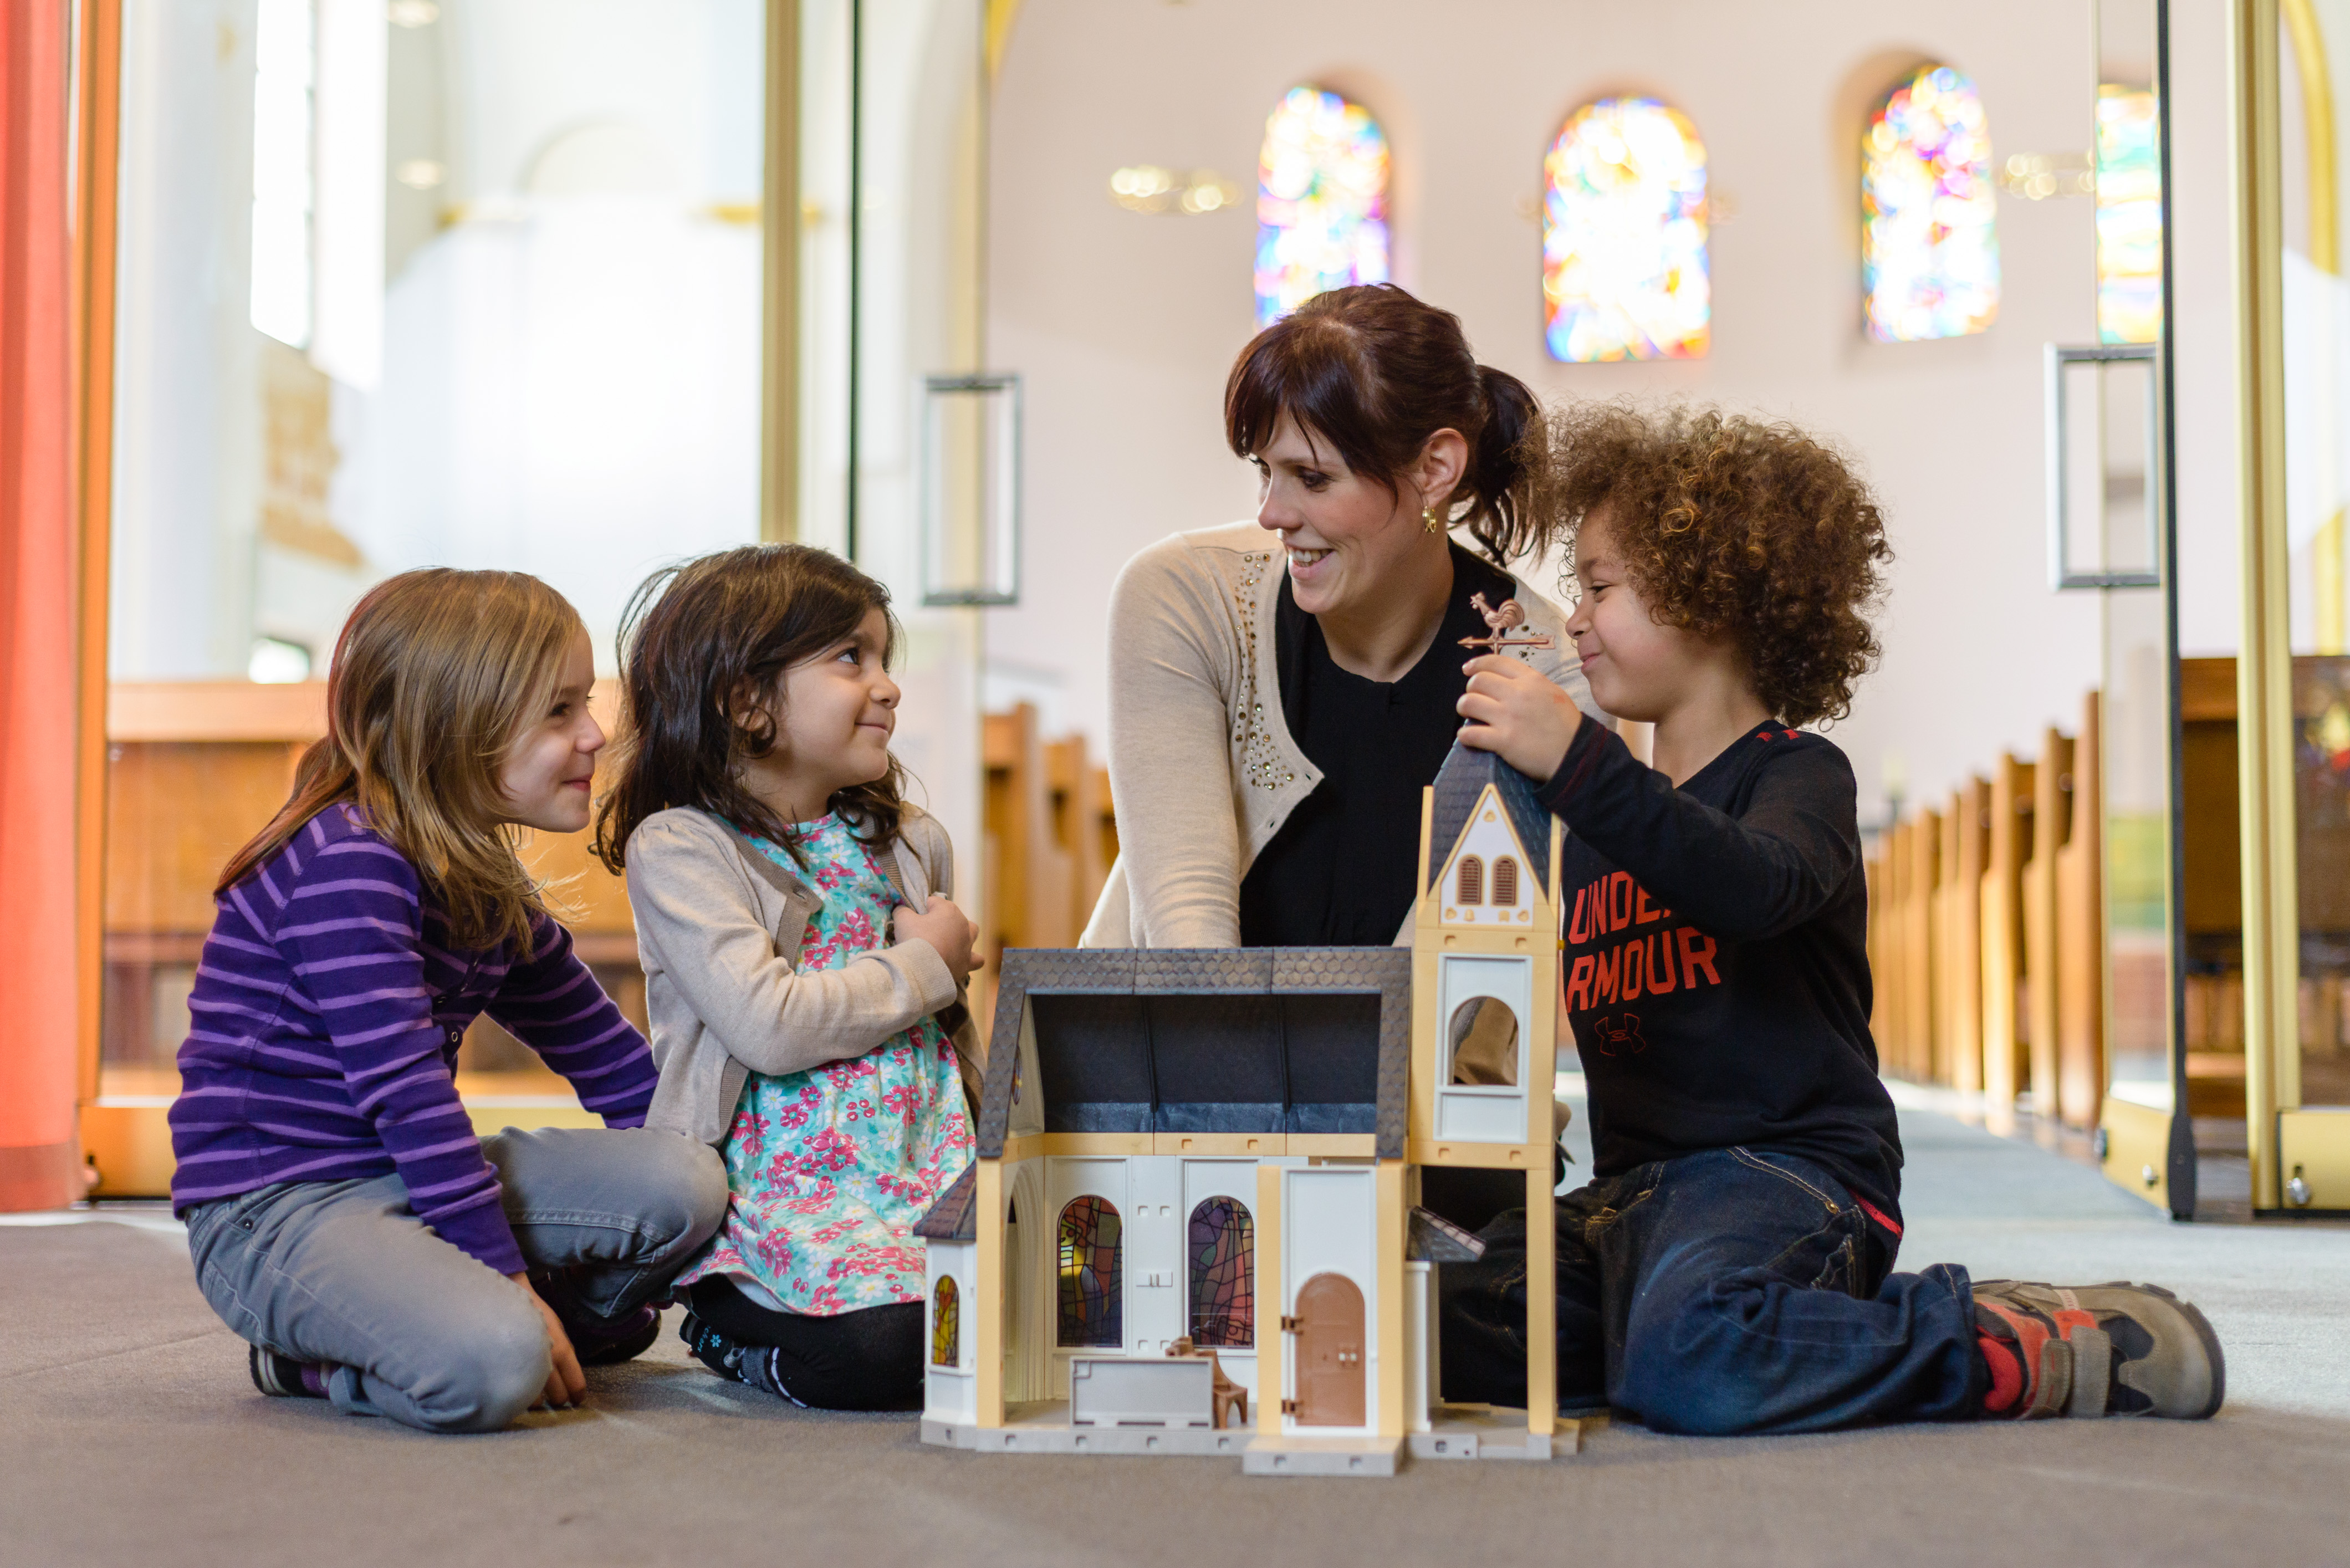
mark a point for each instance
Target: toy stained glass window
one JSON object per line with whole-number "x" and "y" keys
{"x": 1625, "y": 275}
{"x": 1092, "y": 1275}
{"x": 1471, "y": 888}
{"x": 1929, "y": 246}
{"x": 1321, "y": 201}
{"x": 1223, "y": 1256}
{"x": 1505, "y": 881}
{"x": 2129, "y": 217}
{"x": 946, "y": 1325}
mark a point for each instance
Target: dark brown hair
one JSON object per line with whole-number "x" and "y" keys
{"x": 1732, "y": 527}
{"x": 703, "y": 647}
{"x": 1374, "y": 372}
{"x": 436, "y": 674}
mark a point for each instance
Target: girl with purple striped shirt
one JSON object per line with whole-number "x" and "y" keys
{"x": 344, "y": 1217}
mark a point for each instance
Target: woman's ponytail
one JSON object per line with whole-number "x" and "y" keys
{"x": 1503, "y": 469}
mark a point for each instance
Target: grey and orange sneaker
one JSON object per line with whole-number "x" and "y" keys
{"x": 2114, "y": 1349}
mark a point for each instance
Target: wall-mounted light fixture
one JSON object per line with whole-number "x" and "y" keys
{"x": 1148, "y": 188}
{"x": 2036, "y": 176}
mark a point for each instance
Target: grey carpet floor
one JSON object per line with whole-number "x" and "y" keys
{"x": 128, "y": 1434}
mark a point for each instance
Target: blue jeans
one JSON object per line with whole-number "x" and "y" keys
{"x": 344, "y": 1272}
{"x": 1727, "y": 1291}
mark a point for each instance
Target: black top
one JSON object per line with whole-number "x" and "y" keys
{"x": 1716, "y": 959}
{"x": 1339, "y": 872}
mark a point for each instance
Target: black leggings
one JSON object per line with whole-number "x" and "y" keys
{"x": 870, "y": 1359}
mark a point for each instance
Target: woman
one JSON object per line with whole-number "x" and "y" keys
{"x": 1280, "y": 692}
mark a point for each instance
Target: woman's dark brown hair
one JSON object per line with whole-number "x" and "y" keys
{"x": 436, "y": 674}
{"x": 704, "y": 648}
{"x": 1374, "y": 372}
{"x": 1731, "y": 527}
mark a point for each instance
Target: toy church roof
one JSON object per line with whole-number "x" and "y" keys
{"x": 1459, "y": 785}
{"x": 954, "y": 1215}
{"x": 1238, "y": 1040}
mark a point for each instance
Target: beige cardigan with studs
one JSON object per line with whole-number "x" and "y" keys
{"x": 1202, "y": 767}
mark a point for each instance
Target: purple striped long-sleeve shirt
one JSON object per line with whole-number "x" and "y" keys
{"x": 326, "y": 1013}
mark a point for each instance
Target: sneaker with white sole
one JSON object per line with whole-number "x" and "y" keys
{"x": 2114, "y": 1349}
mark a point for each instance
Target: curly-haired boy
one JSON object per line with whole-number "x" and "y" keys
{"x": 1729, "y": 1268}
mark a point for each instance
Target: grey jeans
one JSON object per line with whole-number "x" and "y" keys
{"x": 344, "y": 1272}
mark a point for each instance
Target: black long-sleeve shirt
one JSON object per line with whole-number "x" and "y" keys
{"x": 1716, "y": 956}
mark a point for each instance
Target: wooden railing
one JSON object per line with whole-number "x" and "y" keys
{"x": 196, "y": 769}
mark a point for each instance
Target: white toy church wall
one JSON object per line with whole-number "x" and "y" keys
{"x": 1329, "y": 1225}
{"x": 1490, "y": 841}
{"x": 1154, "y": 1196}
{"x": 951, "y": 1392}
{"x": 1486, "y": 1113}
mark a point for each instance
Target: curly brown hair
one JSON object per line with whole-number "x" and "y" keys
{"x": 1728, "y": 527}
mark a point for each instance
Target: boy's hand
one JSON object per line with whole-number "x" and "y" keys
{"x": 565, "y": 1384}
{"x": 945, "y": 927}
{"x": 1512, "y": 710}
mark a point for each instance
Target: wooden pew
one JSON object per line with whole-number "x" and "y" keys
{"x": 1918, "y": 992}
{"x": 2051, "y": 825}
{"x": 1964, "y": 855}
{"x": 2007, "y": 849}
{"x": 1891, "y": 963}
{"x": 2080, "y": 1047}
{"x": 194, "y": 770}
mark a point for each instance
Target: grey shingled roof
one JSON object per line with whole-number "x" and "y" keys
{"x": 1458, "y": 782}
{"x": 1249, "y": 1038}
{"x": 955, "y": 1216}
{"x": 1436, "y": 1240}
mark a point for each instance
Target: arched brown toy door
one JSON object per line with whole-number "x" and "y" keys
{"x": 1329, "y": 1327}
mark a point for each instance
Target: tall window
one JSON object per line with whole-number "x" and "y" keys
{"x": 946, "y": 1323}
{"x": 2129, "y": 217}
{"x": 1624, "y": 226}
{"x": 1506, "y": 880}
{"x": 1092, "y": 1277}
{"x": 1472, "y": 880}
{"x": 1223, "y": 1255}
{"x": 1930, "y": 248}
{"x": 1321, "y": 201}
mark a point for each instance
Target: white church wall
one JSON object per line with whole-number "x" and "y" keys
{"x": 1126, "y": 325}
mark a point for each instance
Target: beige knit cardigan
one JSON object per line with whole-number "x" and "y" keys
{"x": 1202, "y": 767}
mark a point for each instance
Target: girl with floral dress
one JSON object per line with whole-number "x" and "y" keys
{"x": 804, "y": 967}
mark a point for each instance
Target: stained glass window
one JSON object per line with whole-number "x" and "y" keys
{"x": 1092, "y": 1277}
{"x": 1224, "y": 1291}
{"x": 2129, "y": 217}
{"x": 1321, "y": 201}
{"x": 1624, "y": 225}
{"x": 1929, "y": 246}
{"x": 946, "y": 1325}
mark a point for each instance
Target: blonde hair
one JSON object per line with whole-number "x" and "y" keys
{"x": 436, "y": 675}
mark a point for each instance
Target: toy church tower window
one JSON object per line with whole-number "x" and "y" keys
{"x": 1472, "y": 880}
{"x": 1222, "y": 1248}
{"x": 946, "y": 1325}
{"x": 1505, "y": 881}
{"x": 1092, "y": 1293}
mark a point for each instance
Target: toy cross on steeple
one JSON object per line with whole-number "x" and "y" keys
{"x": 1499, "y": 622}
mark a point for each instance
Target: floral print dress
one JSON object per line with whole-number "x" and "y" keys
{"x": 830, "y": 1169}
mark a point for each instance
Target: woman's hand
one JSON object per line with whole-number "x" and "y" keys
{"x": 1514, "y": 711}
{"x": 945, "y": 927}
{"x": 565, "y": 1384}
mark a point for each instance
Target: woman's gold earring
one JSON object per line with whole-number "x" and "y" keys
{"x": 1427, "y": 520}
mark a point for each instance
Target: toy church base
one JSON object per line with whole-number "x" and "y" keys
{"x": 1192, "y": 1225}
{"x": 1455, "y": 1432}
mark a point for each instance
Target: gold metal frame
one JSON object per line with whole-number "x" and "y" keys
{"x": 2264, "y": 663}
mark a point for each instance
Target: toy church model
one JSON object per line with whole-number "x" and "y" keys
{"x": 1192, "y": 1225}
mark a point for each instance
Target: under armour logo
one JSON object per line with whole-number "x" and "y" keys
{"x": 1619, "y": 1029}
